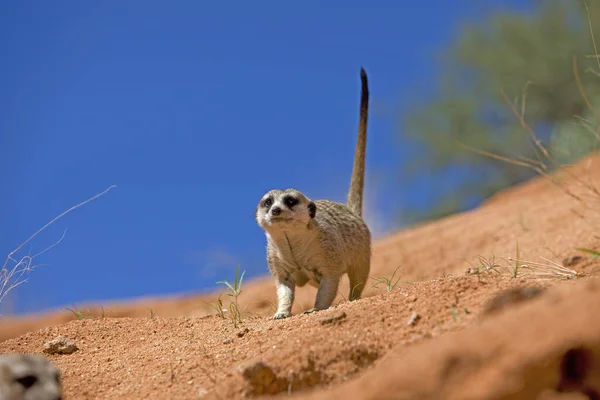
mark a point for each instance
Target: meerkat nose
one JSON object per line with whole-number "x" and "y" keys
{"x": 275, "y": 210}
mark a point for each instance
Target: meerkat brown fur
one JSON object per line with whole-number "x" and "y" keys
{"x": 29, "y": 377}
{"x": 318, "y": 241}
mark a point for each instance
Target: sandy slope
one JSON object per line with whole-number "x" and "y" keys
{"x": 367, "y": 349}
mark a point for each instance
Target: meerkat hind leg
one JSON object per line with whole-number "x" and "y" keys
{"x": 285, "y": 298}
{"x": 358, "y": 277}
{"x": 326, "y": 293}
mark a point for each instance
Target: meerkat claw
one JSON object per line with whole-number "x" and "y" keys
{"x": 281, "y": 315}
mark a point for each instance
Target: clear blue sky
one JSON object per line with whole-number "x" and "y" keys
{"x": 195, "y": 109}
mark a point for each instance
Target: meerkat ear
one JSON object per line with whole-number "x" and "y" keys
{"x": 312, "y": 209}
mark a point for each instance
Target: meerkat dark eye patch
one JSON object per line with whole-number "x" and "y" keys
{"x": 290, "y": 201}
{"x": 27, "y": 381}
{"x": 312, "y": 209}
{"x": 268, "y": 202}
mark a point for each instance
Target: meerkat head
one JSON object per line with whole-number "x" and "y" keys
{"x": 285, "y": 209}
{"x": 29, "y": 377}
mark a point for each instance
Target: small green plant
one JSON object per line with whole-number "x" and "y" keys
{"x": 516, "y": 267}
{"x": 594, "y": 253}
{"x": 454, "y": 314}
{"x": 388, "y": 281}
{"x": 235, "y": 290}
{"x": 486, "y": 265}
{"x": 523, "y": 223}
{"x": 351, "y": 295}
{"x": 218, "y": 307}
{"x": 78, "y": 314}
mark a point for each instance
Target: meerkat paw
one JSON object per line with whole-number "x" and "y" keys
{"x": 282, "y": 315}
{"x": 312, "y": 310}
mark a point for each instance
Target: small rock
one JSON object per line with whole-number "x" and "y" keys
{"x": 333, "y": 319}
{"x": 227, "y": 341}
{"x": 258, "y": 371}
{"x": 262, "y": 379}
{"x": 511, "y": 297}
{"x": 243, "y": 332}
{"x": 569, "y": 261}
{"x": 60, "y": 345}
{"x": 415, "y": 338}
{"x": 413, "y": 318}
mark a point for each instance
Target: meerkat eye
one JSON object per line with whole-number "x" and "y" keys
{"x": 27, "y": 381}
{"x": 290, "y": 201}
{"x": 267, "y": 202}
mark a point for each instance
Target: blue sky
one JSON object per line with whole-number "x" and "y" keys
{"x": 195, "y": 109}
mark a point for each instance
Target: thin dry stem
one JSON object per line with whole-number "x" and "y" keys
{"x": 528, "y": 129}
{"x": 543, "y": 149}
{"x": 9, "y": 277}
{"x": 589, "y": 125}
{"x": 587, "y": 11}
{"x": 53, "y": 221}
{"x": 526, "y": 164}
{"x": 580, "y": 85}
{"x": 550, "y": 268}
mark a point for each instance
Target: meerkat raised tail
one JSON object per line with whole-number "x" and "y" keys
{"x": 28, "y": 377}
{"x": 318, "y": 241}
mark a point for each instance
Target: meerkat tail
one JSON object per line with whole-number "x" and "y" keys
{"x": 357, "y": 182}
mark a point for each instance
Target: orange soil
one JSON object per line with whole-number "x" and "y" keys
{"x": 536, "y": 349}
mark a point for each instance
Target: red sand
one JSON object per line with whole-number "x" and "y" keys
{"x": 535, "y": 349}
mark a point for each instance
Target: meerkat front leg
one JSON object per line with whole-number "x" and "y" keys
{"x": 326, "y": 293}
{"x": 285, "y": 298}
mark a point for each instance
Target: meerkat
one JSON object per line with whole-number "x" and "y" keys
{"x": 318, "y": 241}
{"x": 29, "y": 377}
